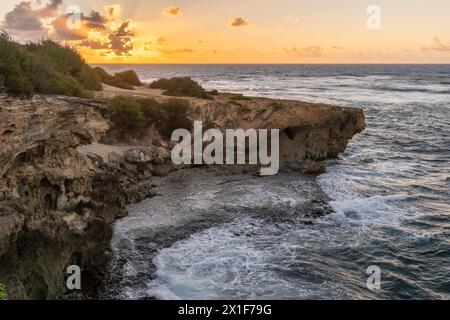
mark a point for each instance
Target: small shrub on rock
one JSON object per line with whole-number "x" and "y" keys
{"x": 180, "y": 87}
{"x": 126, "y": 114}
{"x": 110, "y": 80}
{"x": 130, "y": 77}
{"x": 131, "y": 115}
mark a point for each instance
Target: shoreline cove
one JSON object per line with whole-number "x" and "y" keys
{"x": 63, "y": 186}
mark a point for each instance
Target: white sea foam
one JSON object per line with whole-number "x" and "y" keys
{"x": 376, "y": 192}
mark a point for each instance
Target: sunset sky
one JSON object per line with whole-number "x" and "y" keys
{"x": 238, "y": 31}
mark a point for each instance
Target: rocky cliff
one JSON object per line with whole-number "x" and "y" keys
{"x": 60, "y": 189}
{"x": 56, "y": 207}
{"x": 310, "y": 133}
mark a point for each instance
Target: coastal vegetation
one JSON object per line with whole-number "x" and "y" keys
{"x": 2, "y": 292}
{"x": 131, "y": 115}
{"x": 123, "y": 80}
{"x": 129, "y": 76}
{"x": 46, "y": 67}
{"x": 239, "y": 97}
{"x": 181, "y": 87}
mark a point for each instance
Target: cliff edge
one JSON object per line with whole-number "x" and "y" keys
{"x": 61, "y": 186}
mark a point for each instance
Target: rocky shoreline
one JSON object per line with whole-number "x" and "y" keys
{"x": 64, "y": 181}
{"x": 193, "y": 200}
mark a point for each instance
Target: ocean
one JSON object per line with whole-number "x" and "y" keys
{"x": 390, "y": 194}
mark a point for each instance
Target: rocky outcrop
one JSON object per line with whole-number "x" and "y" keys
{"x": 61, "y": 189}
{"x": 56, "y": 207}
{"x": 310, "y": 133}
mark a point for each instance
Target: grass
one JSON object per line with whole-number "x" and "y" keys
{"x": 181, "y": 87}
{"x": 2, "y": 292}
{"x": 46, "y": 67}
{"x": 213, "y": 92}
{"x": 131, "y": 115}
{"x": 239, "y": 97}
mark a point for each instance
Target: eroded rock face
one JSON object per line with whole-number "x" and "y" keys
{"x": 56, "y": 206}
{"x": 60, "y": 189}
{"x": 309, "y": 133}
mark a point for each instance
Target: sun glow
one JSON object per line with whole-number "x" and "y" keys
{"x": 240, "y": 32}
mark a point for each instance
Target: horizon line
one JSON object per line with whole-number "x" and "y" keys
{"x": 274, "y": 63}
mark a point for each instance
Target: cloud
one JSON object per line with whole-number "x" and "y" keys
{"x": 438, "y": 45}
{"x": 175, "y": 51}
{"x": 172, "y": 11}
{"x": 113, "y": 11}
{"x": 160, "y": 41}
{"x": 150, "y": 45}
{"x": 31, "y": 21}
{"x": 51, "y": 9}
{"x": 118, "y": 41}
{"x": 238, "y": 22}
{"x": 94, "y": 44}
{"x": 121, "y": 41}
{"x": 311, "y": 51}
{"x": 25, "y": 22}
{"x": 92, "y": 22}
{"x": 23, "y": 18}
{"x": 63, "y": 32}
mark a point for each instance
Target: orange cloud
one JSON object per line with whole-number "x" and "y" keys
{"x": 311, "y": 51}
{"x": 113, "y": 11}
{"x": 150, "y": 45}
{"x": 174, "y": 51}
{"x": 238, "y": 22}
{"x": 438, "y": 45}
{"x": 172, "y": 11}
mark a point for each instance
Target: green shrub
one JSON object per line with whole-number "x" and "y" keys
{"x": 152, "y": 110}
{"x": 45, "y": 67}
{"x": 68, "y": 65}
{"x": 130, "y": 77}
{"x": 15, "y": 65}
{"x": 112, "y": 80}
{"x": 180, "y": 87}
{"x": 131, "y": 115}
{"x": 126, "y": 114}
{"x": 90, "y": 79}
{"x": 176, "y": 117}
{"x": 2, "y": 292}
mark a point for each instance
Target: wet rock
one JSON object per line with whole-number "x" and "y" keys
{"x": 162, "y": 170}
{"x": 114, "y": 157}
{"x": 139, "y": 156}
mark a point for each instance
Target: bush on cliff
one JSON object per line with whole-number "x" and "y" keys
{"x": 176, "y": 112}
{"x": 44, "y": 67}
{"x": 133, "y": 115}
{"x": 180, "y": 87}
{"x": 126, "y": 114}
{"x": 2, "y": 292}
{"x": 240, "y": 97}
{"x": 15, "y": 66}
{"x": 113, "y": 81}
{"x": 129, "y": 76}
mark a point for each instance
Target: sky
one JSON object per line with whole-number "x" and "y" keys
{"x": 238, "y": 31}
